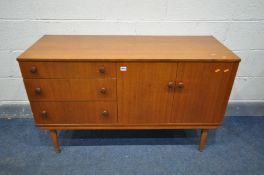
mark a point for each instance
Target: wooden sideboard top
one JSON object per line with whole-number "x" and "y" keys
{"x": 128, "y": 48}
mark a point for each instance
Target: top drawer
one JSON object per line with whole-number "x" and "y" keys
{"x": 67, "y": 70}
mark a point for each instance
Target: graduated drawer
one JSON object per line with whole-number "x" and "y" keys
{"x": 74, "y": 112}
{"x": 67, "y": 69}
{"x": 70, "y": 89}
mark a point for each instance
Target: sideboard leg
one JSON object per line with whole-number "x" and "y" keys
{"x": 54, "y": 137}
{"x": 203, "y": 139}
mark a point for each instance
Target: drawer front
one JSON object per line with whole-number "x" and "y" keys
{"x": 67, "y": 70}
{"x": 74, "y": 112}
{"x": 70, "y": 89}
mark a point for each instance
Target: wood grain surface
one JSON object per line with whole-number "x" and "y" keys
{"x": 71, "y": 89}
{"x": 128, "y": 48}
{"x": 75, "y": 112}
{"x": 67, "y": 69}
{"x": 128, "y": 82}
{"x": 203, "y": 97}
{"x": 143, "y": 92}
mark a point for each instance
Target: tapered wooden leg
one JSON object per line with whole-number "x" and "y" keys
{"x": 203, "y": 139}
{"x": 54, "y": 137}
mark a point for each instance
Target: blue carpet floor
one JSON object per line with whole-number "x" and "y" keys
{"x": 237, "y": 148}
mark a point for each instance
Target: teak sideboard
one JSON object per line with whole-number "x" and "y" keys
{"x": 128, "y": 82}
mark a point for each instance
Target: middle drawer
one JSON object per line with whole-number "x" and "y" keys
{"x": 70, "y": 89}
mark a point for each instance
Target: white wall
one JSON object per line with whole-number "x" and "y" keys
{"x": 239, "y": 24}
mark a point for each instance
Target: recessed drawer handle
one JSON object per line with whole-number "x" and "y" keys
{"x": 102, "y": 70}
{"x": 38, "y": 91}
{"x": 44, "y": 114}
{"x": 33, "y": 70}
{"x": 103, "y": 90}
{"x": 105, "y": 113}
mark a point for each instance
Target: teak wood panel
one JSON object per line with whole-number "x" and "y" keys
{"x": 128, "y": 48}
{"x": 143, "y": 93}
{"x": 75, "y": 112}
{"x": 70, "y": 89}
{"x": 170, "y": 82}
{"x": 204, "y": 98}
{"x": 67, "y": 69}
{"x": 113, "y": 126}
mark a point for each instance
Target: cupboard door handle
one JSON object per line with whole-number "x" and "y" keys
{"x": 102, "y": 70}
{"x": 38, "y": 91}
{"x": 105, "y": 113}
{"x": 103, "y": 90}
{"x": 44, "y": 114}
{"x": 180, "y": 85}
{"x": 33, "y": 70}
{"x": 171, "y": 85}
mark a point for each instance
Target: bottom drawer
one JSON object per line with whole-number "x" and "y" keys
{"x": 74, "y": 112}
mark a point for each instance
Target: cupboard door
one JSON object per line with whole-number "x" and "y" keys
{"x": 202, "y": 92}
{"x": 143, "y": 92}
